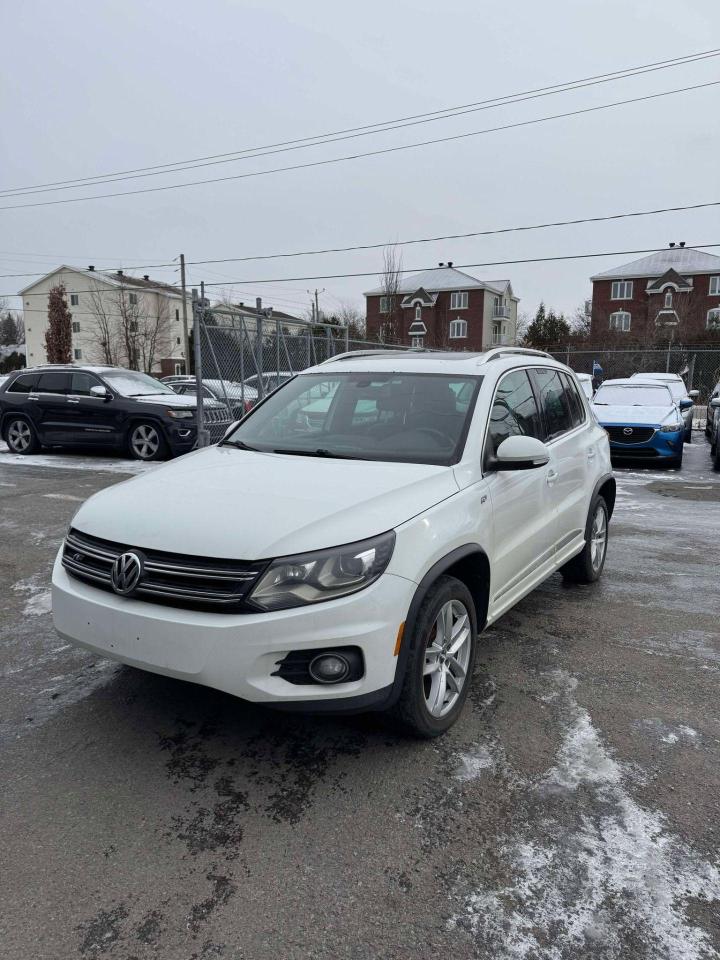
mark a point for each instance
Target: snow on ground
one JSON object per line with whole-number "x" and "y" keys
{"x": 608, "y": 872}
{"x": 39, "y": 601}
{"x": 74, "y": 461}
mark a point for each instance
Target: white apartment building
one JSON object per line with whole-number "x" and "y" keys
{"x": 116, "y": 318}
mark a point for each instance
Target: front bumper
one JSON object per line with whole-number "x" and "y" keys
{"x": 660, "y": 446}
{"x": 239, "y": 653}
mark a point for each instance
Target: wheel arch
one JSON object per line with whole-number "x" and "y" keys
{"x": 14, "y": 415}
{"x": 607, "y": 489}
{"x": 471, "y": 566}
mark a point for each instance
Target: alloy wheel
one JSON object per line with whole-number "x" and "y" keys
{"x": 145, "y": 442}
{"x": 598, "y": 538}
{"x": 19, "y": 436}
{"x": 447, "y": 656}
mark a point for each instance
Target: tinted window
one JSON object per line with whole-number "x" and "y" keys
{"x": 23, "y": 384}
{"x": 554, "y": 401}
{"x": 81, "y": 382}
{"x": 514, "y": 411}
{"x": 54, "y": 382}
{"x": 577, "y": 408}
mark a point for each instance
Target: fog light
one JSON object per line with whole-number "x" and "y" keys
{"x": 329, "y": 668}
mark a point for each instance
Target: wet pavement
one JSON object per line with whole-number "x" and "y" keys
{"x": 573, "y": 812}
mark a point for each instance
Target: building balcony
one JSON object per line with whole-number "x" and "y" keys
{"x": 500, "y": 340}
{"x": 502, "y": 312}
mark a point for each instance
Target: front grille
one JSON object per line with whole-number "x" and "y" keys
{"x": 643, "y": 453}
{"x": 638, "y": 435}
{"x": 217, "y": 420}
{"x": 174, "y": 579}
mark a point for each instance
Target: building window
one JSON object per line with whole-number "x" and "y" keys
{"x": 133, "y": 326}
{"x": 132, "y": 298}
{"x": 713, "y": 319}
{"x": 620, "y": 321}
{"x": 418, "y": 312}
{"x": 178, "y": 339}
{"x": 74, "y": 299}
{"x": 75, "y": 327}
{"x": 622, "y": 290}
{"x": 178, "y": 369}
{"x": 459, "y": 300}
{"x": 668, "y": 298}
{"x": 177, "y": 314}
{"x": 384, "y": 304}
{"x": 714, "y": 287}
{"x": 458, "y": 329}
{"x": 416, "y": 341}
{"x": 77, "y": 354}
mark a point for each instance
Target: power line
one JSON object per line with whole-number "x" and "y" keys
{"x": 401, "y": 243}
{"x": 354, "y": 132}
{"x": 373, "y": 273}
{"x": 370, "y": 153}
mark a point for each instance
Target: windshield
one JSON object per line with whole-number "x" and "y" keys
{"x": 402, "y": 417}
{"x": 131, "y": 383}
{"x": 632, "y": 396}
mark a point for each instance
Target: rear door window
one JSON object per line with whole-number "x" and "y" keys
{"x": 577, "y": 407}
{"x": 54, "y": 382}
{"x": 554, "y": 402}
{"x": 24, "y": 383}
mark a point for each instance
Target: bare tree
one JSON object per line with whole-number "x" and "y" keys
{"x": 391, "y": 323}
{"x": 154, "y": 334}
{"x": 130, "y": 328}
{"x": 349, "y": 316}
{"x": 103, "y": 333}
{"x": 521, "y": 327}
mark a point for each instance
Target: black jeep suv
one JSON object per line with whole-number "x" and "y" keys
{"x": 80, "y": 405}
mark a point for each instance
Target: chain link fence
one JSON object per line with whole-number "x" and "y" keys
{"x": 240, "y": 359}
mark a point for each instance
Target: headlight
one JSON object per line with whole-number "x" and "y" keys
{"x": 672, "y": 427}
{"x": 323, "y": 575}
{"x": 181, "y": 414}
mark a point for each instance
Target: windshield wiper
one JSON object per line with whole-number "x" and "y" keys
{"x": 320, "y": 453}
{"x": 238, "y": 444}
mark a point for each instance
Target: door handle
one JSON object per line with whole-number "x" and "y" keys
{"x": 33, "y": 398}
{"x": 591, "y": 453}
{"x": 70, "y": 400}
{"x": 551, "y": 477}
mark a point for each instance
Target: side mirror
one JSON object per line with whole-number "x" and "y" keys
{"x": 102, "y": 392}
{"x": 686, "y": 404}
{"x": 715, "y": 403}
{"x": 230, "y": 429}
{"x": 520, "y": 453}
{"x": 693, "y": 393}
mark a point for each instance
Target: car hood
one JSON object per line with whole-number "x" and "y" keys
{"x": 622, "y": 413}
{"x": 175, "y": 400}
{"x": 235, "y": 504}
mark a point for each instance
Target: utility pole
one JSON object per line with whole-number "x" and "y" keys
{"x": 186, "y": 337}
{"x": 203, "y": 437}
{"x": 314, "y": 304}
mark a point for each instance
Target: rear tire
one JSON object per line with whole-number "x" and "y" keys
{"x": 439, "y": 669}
{"x": 587, "y": 566}
{"x": 145, "y": 441}
{"x": 21, "y": 436}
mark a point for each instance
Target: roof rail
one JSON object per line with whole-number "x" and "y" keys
{"x": 496, "y": 353}
{"x": 374, "y": 353}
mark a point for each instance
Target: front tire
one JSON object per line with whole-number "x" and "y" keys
{"x": 442, "y": 656}
{"x": 587, "y": 566}
{"x": 21, "y": 436}
{"x": 146, "y": 442}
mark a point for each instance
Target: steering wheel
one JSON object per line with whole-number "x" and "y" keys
{"x": 444, "y": 439}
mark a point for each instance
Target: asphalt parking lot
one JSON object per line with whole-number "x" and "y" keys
{"x": 573, "y": 812}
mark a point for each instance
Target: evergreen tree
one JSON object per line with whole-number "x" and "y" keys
{"x": 547, "y": 329}
{"x": 58, "y": 336}
{"x": 8, "y": 330}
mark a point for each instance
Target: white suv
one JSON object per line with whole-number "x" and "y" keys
{"x": 344, "y": 545}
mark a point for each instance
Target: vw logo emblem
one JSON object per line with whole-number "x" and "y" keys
{"x": 627, "y": 431}
{"x": 126, "y": 572}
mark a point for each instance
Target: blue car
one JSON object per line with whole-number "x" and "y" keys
{"x": 642, "y": 420}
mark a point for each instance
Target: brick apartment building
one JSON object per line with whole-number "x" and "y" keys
{"x": 677, "y": 289}
{"x": 446, "y": 308}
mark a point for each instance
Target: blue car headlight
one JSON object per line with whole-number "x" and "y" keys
{"x": 672, "y": 427}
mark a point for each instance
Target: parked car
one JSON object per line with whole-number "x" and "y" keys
{"x": 684, "y": 399}
{"x": 711, "y": 411}
{"x": 642, "y": 420}
{"x": 270, "y": 381}
{"x": 238, "y": 399}
{"x": 350, "y": 562}
{"x": 714, "y": 405}
{"x": 82, "y": 405}
{"x": 586, "y": 382}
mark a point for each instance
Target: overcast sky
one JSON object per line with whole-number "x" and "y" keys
{"x": 92, "y": 88}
